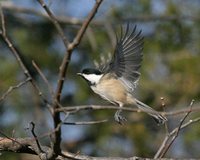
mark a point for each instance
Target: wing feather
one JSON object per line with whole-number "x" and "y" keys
{"x": 127, "y": 57}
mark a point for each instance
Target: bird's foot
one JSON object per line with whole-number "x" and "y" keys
{"x": 119, "y": 118}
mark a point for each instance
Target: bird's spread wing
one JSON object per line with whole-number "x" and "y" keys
{"x": 127, "y": 58}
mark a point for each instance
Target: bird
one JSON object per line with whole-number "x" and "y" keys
{"x": 116, "y": 79}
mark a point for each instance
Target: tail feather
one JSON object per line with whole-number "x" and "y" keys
{"x": 160, "y": 119}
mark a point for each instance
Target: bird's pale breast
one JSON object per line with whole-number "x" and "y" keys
{"x": 112, "y": 90}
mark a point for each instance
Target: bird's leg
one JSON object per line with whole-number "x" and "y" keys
{"x": 118, "y": 117}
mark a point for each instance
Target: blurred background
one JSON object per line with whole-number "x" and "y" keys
{"x": 170, "y": 69}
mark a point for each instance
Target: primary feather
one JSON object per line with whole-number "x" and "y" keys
{"x": 127, "y": 58}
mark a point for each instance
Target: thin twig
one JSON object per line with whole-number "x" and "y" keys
{"x": 74, "y": 109}
{"x": 163, "y": 105}
{"x": 35, "y": 137}
{"x": 181, "y": 111}
{"x": 164, "y": 143}
{"x": 44, "y": 78}
{"x": 170, "y": 138}
{"x": 11, "y": 88}
{"x": 55, "y": 22}
{"x": 3, "y": 31}
{"x": 10, "y": 45}
{"x": 18, "y": 56}
{"x": 85, "y": 123}
{"x": 12, "y": 139}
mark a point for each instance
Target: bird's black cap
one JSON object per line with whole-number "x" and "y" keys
{"x": 91, "y": 71}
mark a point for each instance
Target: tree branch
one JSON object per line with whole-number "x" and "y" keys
{"x": 35, "y": 137}
{"x": 24, "y": 145}
{"x": 64, "y": 65}
{"x": 76, "y": 21}
{"x": 11, "y": 88}
{"x": 84, "y": 157}
{"x": 18, "y": 55}
{"x": 85, "y": 123}
{"x": 50, "y": 88}
{"x": 170, "y": 138}
{"x": 72, "y": 46}
{"x": 55, "y": 22}
{"x": 74, "y": 109}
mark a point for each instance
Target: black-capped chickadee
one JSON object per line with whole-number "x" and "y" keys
{"x": 116, "y": 80}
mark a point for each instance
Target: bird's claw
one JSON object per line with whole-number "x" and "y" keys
{"x": 119, "y": 118}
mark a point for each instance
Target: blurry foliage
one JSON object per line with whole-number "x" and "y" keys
{"x": 170, "y": 69}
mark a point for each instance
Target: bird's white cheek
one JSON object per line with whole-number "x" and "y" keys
{"x": 93, "y": 78}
